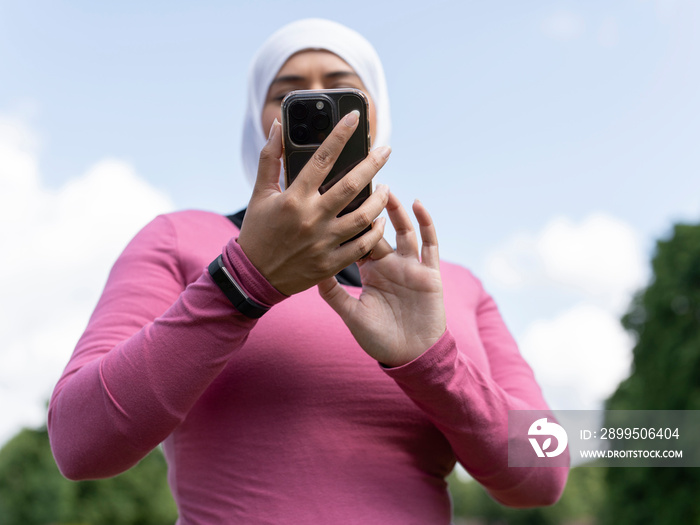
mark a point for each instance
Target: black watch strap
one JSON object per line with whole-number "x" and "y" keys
{"x": 239, "y": 299}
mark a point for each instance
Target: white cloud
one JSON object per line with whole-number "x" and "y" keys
{"x": 579, "y": 351}
{"x": 563, "y": 25}
{"x": 579, "y": 356}
{"x": 58, "y": 246}
{"x": 601, "y": 256}
{"x": 600, "y": 259}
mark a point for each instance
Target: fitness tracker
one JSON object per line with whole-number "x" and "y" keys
{"x": 239, "y": 299}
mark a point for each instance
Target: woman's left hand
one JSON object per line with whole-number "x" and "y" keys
{"x": 400, "y": 313}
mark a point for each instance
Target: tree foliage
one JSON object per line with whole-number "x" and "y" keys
{"x": 33, "y": 492}
{"x": 665, "y": 319}
{"x": 579, "y": 503}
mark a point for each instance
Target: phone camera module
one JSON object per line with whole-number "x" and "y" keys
{"x": 321, "y": 121}
{"x": 298, "y": 111}
{"x": 300, "y": 134}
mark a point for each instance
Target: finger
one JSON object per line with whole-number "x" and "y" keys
{"x": 269, "y": 164}
{"x": 381, "y": 250}
{"x": 406, "y": 242}
{"x": 336, "y": 296}
{"x": 356, "y": 249}
{"x": 321, "y": 162}
{"x": 346, "y": 189}
{"x": 429, "y": 250}
{"x": 354, "y": 222}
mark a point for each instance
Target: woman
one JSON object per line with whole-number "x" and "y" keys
{"x": 342, "y": 403}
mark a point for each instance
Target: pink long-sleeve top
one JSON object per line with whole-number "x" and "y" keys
{"x": 285, "y": 419}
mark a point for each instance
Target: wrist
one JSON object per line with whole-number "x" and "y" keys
{"x": 410, "y": 359}
{"x": 235, "y": 293}
{"x": 268, "y": 270}
{"x": 246, "y": 274}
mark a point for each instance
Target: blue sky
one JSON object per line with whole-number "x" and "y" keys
{"x": 552, "y": 141}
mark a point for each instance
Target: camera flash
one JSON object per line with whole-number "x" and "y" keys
{"x": 319, "y": 105}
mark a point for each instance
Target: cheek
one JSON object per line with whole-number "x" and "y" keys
{"x": 372, "y": 121}
{"x": 271, "y": 111}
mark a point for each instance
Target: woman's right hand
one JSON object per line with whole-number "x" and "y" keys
{"x": 294, "y": 237}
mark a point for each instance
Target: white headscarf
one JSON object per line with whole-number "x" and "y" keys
{"x": 312, "y": 33}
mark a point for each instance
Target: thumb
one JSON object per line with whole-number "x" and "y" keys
{"x": 336, "y": 296}
{"x": 269, "y": 164}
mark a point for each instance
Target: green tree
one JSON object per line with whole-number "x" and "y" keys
{"x": 579, "y": 503}
{"x": 33, "y": 492}
{"x": 665, "y": 320}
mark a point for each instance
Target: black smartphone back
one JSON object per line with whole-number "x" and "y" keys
{"x": 308, "y": 117}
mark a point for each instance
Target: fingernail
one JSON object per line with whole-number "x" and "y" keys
{"x": 272, "y": 129}
{"x": 351, "y": 118}
{"x": 383, "y": 187}
{"x": 384, "y": 151}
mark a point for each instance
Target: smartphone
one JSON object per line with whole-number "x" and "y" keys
{"x": 308, "y": 117}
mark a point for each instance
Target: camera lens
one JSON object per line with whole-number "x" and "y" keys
{"x": 300, "y": 134}
{"x": 298, "y": 110}
{"x": 320, "y": 121}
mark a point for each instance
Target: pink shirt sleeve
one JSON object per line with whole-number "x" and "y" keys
{"x": 471, "y": 407}
{"x": 152, "y": 346}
